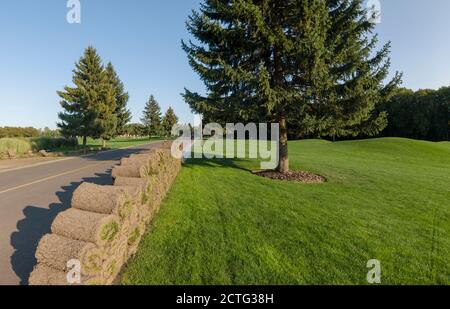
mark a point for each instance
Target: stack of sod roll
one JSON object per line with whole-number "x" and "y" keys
{"x": 103, "y": 228}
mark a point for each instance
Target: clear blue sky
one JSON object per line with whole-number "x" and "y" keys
{"x": 142, "y": 39}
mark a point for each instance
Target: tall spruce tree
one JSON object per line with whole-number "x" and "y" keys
{"x": 89, "y": 106}
{"x": 122, "y": 113}
{"x": 301, "y": 63}
{"x": 249, "y": 59}
{"x": 152, "y": 117}
{"x": 356, "y": 74}
{"x": 106, "y": 115}
{"x": 169, "y": 120}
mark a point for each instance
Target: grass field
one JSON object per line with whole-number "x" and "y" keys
{"x": 22, "y": 145}
{"x": 385, "y": 199}
{"x": 112, "y": 144}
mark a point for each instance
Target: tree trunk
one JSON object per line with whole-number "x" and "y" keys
{"x": 103, "y": 144}
{"x": 283, "y": 164}
{"x": 84, "y": 145}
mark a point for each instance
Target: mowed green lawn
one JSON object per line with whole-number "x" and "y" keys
{"x": 385, "y": 199}
{"x": 119, "y": 142}
{"x": 116, "y": 143}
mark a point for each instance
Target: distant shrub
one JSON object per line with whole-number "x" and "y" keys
{"x": 20, "y": 146}
{"x": 51, "y": 143}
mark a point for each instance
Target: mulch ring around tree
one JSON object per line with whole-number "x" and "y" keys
{"x": 294, "y": 176}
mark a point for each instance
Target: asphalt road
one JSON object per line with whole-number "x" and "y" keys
{"x": 30, "y": 199}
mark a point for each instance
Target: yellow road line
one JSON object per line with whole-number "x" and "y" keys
{"x": 36, "y": 164}
{"x": 50, "y": 177}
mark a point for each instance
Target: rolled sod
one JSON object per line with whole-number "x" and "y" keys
{"x": 134, "y": 238}
{"x": 136, "y": 170}
{"x": 144, "y": 160}
{"x": 146, "y": 213}
{"x": 55, "y": 251}
{"x": 105, "y": 225}
{"x": 142, "y": 183}
{"x": 129, "y": 215}
{"x": 86, "y": 226}
{"x": 44, "y": 275}
{"x": 104, "y": 199}
{"x": 118, "y": 254}
{"x": 112, "y": 268}
{"x": 146, "y": 156}
{"x": 149, "y": 163}
{"x": 152, "y": 187}
{"x": 166, "y": 145}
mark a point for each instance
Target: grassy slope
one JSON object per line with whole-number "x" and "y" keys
{"x": 385, "y": 198}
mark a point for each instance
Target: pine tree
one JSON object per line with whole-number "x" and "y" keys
{"x": 356, "y": 72}
{"x": 169, "y": 120}
{"x": 152, "y": 117}
{"x": 257, "y": 59}
{"x": 89, "y": 106}
{"x": 304, "y": 64}
{"x": 122, "y": 113}
{"x": 106, "y": 112}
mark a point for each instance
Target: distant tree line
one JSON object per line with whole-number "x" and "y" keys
{"x": 423, "y": 114}
{"x": 27, "y": 132}
{"x": 47, "y": 132}
{"x": 135, "y": 129}
{"x": 19, "y": 132}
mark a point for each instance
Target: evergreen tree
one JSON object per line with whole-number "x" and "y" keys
{"x": 89, "y": 106}
{"x": 152, "y": 117}
{"x": 356, "y": 72}
{"x": 257, "y": 60}
{"x": 122, "y": 113}
{"x": 304, "y": 64}
{"x": 106, "y": 112}
{"x": 169, "y": 120}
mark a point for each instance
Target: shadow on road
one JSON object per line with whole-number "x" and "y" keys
{"x": 117, "y": 154}
{"x": 37, "y": 223}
